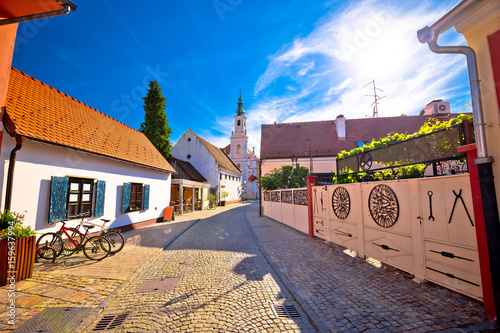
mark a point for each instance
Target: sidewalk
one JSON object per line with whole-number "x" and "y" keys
{"x": 76, "y": 281}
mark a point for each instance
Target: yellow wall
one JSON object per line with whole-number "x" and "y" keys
{"x": 7, "y": 40}
{"x": 476, "y": 26}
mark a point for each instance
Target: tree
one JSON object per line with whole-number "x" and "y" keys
{"x": 155, "y": 125}
{"x": 284, "y": 177}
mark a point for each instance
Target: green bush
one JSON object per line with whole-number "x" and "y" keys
{"x": 284, "y": 177}
{"x": 11, "y": 226}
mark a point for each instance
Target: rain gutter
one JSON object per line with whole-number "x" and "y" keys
{"x": 484, "y": 162}
{"x": 68, "y": 6}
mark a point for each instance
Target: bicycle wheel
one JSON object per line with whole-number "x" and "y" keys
{"x": 49, "y": 241}
{"x": 68, "y": 247}
{"x": 96, "y": 248}
{"x": 116, "y": 240}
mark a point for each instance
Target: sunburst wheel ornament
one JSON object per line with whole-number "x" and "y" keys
{"x": 366, "y": 161}
{"x": 383, "y": 205}
{"x": 341, "y": 202}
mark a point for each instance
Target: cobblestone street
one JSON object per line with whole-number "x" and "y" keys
{"x": 225, "y": 284}
{"x": 231, "y": 267}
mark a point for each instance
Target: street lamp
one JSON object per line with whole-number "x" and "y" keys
{"x": 249, "y": 163}
{"x": 294, "y": 159}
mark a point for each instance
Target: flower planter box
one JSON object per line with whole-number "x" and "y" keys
{"x": 222, "y": 203}
{"x": 24, "y": 258}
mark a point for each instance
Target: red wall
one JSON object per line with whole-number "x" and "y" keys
{"x": 494, "y": 42}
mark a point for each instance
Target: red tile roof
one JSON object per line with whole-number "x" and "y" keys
{"x": 43, "y": 113}
{"x": 320, "y": 137}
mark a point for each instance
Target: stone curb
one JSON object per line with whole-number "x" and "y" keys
{"x": 313, "y": 317}
{"x": 91, "y": 318}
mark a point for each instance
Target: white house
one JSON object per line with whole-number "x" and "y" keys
{"x": 212, "y": 163}
{"x": 63, "y": 158}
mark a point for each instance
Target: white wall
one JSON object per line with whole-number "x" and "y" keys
{"x": 231, "y": 185}
{"x": 201, "y": 159}
{"x": 206, "y": 164}
{"x": 37, "y": 162}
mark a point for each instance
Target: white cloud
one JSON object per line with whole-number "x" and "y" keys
{"x": 368, "y": 40}
{"x": 323, "y": 74}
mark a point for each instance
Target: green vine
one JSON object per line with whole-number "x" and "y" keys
{"x": 429, "y": 126}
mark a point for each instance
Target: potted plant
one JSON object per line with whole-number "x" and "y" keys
{"x": 223, "y": 196}
{"x": 17, "y": 248}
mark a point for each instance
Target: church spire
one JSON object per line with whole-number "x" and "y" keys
{"x": 240, "y": 110}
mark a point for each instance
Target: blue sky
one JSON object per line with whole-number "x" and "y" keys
{"x": 292, "y": 60}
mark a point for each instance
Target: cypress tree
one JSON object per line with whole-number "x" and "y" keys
{"x": 155, "y": 126}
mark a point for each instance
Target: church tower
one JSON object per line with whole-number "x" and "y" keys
{"x": 239, "y": 138}
{"x": 239, "y": 153}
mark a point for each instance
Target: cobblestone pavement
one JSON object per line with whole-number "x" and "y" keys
{"x": 76, "y": 281}
{"x": 224, "y": 285}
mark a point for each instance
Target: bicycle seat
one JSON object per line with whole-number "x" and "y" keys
{"x": 105, "y": 220}
{"x": 88, "y": 226}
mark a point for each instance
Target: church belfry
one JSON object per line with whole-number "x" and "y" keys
{"x": 240, "y": 121}
{"x": 239, "y": 153}
{"x": 239, "y": 137}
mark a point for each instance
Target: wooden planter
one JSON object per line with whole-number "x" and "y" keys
{"x": 25, "y": 249}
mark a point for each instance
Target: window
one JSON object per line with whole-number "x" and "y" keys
{"x": 189, "y": 139}
{"x": 188, "y": 157}
{"x": 239, "y": 122}
{"x": 71, "y": 196}
{"x": 79, "y": 197}
{"x": 135, "y": 196}
{"x": 238, "y": 149}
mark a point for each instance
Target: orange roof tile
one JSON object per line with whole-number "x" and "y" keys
{"x": 43, "y": 113}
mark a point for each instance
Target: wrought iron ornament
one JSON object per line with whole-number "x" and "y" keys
{"x": 341, "y": 202}
{"x": 383, "y": 205}
{"x": 366, "y": 161}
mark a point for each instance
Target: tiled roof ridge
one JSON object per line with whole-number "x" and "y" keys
{"x": 300, "y": 122}
{"x": 76, "y": 100}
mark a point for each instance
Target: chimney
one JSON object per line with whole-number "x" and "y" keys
{"x": 340, "y": 125}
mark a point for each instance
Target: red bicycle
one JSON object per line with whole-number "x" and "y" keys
{"x": 54, "y": 244}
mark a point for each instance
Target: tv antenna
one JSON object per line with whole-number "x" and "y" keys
{"x": 377, "y": 98}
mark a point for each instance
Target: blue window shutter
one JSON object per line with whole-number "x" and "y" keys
{"x": 126, "y": 198}
{"x": 99, "y": 198}
{"x": 146, "y": 198}
{"x": 58, "y": 198}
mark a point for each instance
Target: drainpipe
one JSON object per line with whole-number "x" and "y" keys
{"x": 10, "y": 175}
{"x": 484, "y": 162}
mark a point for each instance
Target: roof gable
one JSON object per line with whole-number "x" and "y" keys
{"x": 43, "y": 113}
{"x": 222, "y": 159}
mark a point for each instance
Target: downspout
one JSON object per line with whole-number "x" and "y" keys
{"x": 10, "y": 175}
{"x": 484, "y": 162}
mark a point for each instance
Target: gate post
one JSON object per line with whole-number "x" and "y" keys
{"x": 482, "y": 245}
{"x": 311, "y": 181}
